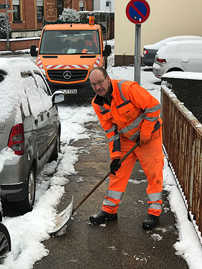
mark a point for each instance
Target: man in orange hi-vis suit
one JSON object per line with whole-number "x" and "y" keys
{"x": 127, "y": 112}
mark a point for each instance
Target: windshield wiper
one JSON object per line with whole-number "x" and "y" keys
{"x": 88, "y": 56}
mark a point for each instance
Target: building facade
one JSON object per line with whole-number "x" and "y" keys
{"x": 26, "y": 17}
{"x": 167, "y": 18}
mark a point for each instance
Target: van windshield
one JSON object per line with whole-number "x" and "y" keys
{"x": 70, "y": 42}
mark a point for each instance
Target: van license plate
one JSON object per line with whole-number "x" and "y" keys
{"x": 70, "y": 91}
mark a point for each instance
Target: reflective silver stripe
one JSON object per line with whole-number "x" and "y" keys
{"x": 152, "y": 109}
{"x": 133, "y": 125}
{"x": 115, "y": 194}
{"x": 111, "y": 129}
{"x": 151, "y": 118}
{"x": 154, "y": 196}
{"x": 103, "y": 110}
{"x": 155, "y": 206}
{"x": 114, "y": 137}
{"x": 109, "y": 203}
{"x": 120, "y": 91}
{"x": 134, "y": 136}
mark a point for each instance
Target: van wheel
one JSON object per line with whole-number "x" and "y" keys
{"x": 5, "y": 245}
{"x": 56, "y": 150}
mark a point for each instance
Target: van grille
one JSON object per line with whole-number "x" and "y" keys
{"x": 75, "y": 75}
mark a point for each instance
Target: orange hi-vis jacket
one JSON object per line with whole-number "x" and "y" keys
{"x": 133, "y": 111}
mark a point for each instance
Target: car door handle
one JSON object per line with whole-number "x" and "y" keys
{"x": 41, "y": 116}
{"x": 184, "y": 60}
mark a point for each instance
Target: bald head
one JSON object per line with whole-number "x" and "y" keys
{"x": 100, "y": 81}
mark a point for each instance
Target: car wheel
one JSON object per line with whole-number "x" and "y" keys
{"x": 5, "y": 242}
{"x": 175, "y": 69}
{"x": 31, "y": 189}
{"x": 21, "y": 207}
{"x": 56, "y": 150}
{"x": 26, "y": 205}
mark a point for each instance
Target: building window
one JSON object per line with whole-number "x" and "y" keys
{"x": 81, "y": 5}
{"x": 40, "y": 10}
{"x": 60, "y": 6}
{"x": 16, "y": 13}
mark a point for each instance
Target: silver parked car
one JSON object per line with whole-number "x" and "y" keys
{"x": 29, "y": 131}
{"x": 185, "y": 56}
{"x": 149, "y": 51}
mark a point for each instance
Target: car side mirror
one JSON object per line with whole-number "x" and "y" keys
{"x": 58, "y": 97}
{"x": 33, "y": 51}
{"x": 107, "y": 51}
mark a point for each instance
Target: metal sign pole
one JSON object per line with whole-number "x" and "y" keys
{"x": 137, "y": 61}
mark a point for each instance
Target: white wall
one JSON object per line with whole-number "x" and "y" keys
{"x": 167, "y": 18}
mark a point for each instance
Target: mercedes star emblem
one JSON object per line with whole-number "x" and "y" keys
{"x": 67, "y": 75}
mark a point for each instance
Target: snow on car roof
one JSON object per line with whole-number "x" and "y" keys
{"x": 180, "y": 38}
{"x": 10, "y": 85}
{"x": 172, "y": 48}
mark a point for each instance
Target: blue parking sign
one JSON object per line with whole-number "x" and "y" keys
{"x": 137, "y": 11}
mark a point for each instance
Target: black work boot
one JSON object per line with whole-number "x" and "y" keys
{"x": 150, "y": 222}
{"x": 102, "y": 217}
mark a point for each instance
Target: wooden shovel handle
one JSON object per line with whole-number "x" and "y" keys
{"x": 103, "y": 179}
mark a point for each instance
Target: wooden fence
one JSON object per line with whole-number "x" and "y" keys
{"x": 182, "y": 138}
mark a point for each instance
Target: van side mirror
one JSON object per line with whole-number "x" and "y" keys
{"x": 107, "y": 51}
{"x": 33, "y": 51}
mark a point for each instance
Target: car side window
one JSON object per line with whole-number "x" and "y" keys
{"x": 33, "y": 96}
{"x": 41, "y": 82}
{"x": 44, "y": 92}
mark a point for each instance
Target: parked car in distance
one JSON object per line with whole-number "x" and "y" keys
{"x": 178, "y": 56}
{"x": 29, "y": 130}
{"x": 149, "y": 51}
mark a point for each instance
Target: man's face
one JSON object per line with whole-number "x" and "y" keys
{"x": 99, "y": 83}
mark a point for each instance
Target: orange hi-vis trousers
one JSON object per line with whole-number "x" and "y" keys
{"x": 151, "y": 159}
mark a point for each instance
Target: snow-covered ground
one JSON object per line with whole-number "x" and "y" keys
{"x": 26, "y": 250}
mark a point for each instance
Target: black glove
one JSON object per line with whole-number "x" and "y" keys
{"x": 114, "y": 166}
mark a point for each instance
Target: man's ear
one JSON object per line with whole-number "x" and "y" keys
{"x": 108, "y": 78}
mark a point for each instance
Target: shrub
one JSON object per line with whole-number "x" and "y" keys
{"x": 69, "y": 15}
{"x": 4, "y": 26}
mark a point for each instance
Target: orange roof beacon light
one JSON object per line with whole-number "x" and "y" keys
{"x": 91, "y": 20}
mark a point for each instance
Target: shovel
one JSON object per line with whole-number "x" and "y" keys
{"x": 63, "y": 218}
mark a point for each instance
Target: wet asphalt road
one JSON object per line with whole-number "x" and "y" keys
{"x": 117, "y": 245}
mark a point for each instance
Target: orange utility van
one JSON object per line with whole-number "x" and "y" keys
{"x": 67, "y": 53}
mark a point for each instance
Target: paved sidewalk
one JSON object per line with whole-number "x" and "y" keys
{"x": 121, "y": 245}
